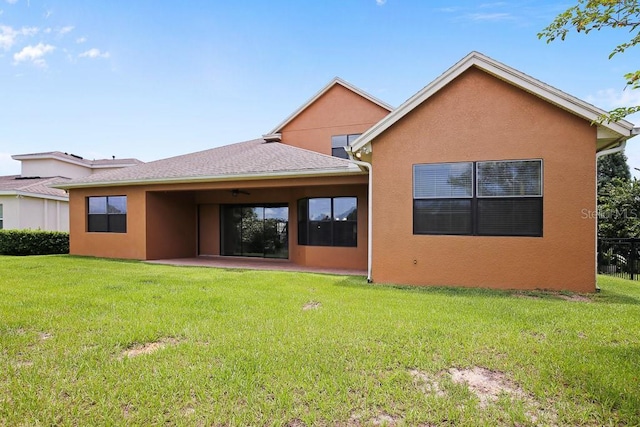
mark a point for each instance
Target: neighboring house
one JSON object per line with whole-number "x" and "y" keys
{"x": 27, "y": 201}
{"x": 480, "y": 179}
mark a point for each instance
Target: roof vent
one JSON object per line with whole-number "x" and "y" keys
{"x": 273, "y": 137}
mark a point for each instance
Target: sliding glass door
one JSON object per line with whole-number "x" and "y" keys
{"x": 258, "y": 231}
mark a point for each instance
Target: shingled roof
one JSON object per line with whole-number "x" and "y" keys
{"x": 255, "y": 159}
{"x": 40, "y": 187}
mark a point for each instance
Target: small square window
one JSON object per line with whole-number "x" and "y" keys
{"x": 107, "y": 214}
{"x": 339, "y": 142}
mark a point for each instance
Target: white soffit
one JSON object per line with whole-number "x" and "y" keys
{"x": 523, "y": 81}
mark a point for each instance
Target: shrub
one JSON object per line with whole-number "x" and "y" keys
{"x": 33, "y": 242}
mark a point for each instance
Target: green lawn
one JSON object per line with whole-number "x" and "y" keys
{"x": 98, "y": 342}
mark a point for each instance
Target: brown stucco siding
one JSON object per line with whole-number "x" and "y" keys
{"x": 209, "y": 229}
{"x": 312, "y": 256}
{"x": 478, "y": 117}
{"x": 162, "y": 219}
{"x": 129, "y": 245}
{"x": 331, "y": 257}
{"x": 171, "y": 225}
{"x": 339, "y": 111}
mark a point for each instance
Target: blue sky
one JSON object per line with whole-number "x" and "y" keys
{"x": 154, "y": 79}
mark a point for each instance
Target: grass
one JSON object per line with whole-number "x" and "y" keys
{"x": 102, "y": 342}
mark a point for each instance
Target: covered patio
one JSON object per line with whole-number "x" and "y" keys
{"x": 252, "y": 263}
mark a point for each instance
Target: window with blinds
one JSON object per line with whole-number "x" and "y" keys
{"x": 497, "y": 198}
{"x": 107, "y": 214}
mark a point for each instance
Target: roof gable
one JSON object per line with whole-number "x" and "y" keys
{"x": 606, "y": 131}
{"x": 324, "y": 90}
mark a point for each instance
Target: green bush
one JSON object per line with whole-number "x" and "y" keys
{"x": 33, "y": 242}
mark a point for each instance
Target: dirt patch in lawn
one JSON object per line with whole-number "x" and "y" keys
{"x": 551, "y": 295}
{"x": 426, "y": 383}
{"x": 575, "y": 298}
{"x": 382, "y": 419}
{"x": 488, "y": 386}
{"x": 311, "y": 305}
{"x": 148, "y": 348}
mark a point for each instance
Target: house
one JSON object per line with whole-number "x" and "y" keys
{"x": 27, "y": 201}
{"x": 480, "y": 179}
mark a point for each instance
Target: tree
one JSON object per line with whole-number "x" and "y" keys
{"x": 610, "y": 167}
{"x": 589, "y": 15}
{"x": 619, "y": 209}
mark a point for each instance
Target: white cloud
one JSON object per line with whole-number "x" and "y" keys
{"x": 65, "y": 30}
{"x": 94, "y": 53}
{"x": 12, "y": 1}
{"x": 490, "y": 17}
{"x": 34, "y": 54}
{"x": 449, "y": 9}
{"x": 81, "y": 40}
{"x": 612, "y": 98}
{"x": 491, "y": 5}
{"x": 9, "y": 35}
{"x": 381, "y": 2}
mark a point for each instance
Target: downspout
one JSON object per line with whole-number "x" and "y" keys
{"x": 369, "y": 211}
{"x": 618, "y": 149}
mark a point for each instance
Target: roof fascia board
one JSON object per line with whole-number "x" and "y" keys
{"x": 216, "y": 178}
{"x": 33, "y": 195}
{"x": 113, "y": 165}
{"x": 503, "y": 72}
{"x": 314, "y": 98}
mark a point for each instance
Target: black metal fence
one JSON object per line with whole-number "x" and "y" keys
{"x": 619, "y": 257}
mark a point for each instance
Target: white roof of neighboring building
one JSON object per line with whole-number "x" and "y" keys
{"x": 32, "y": 187}
{"x": 78, "y": 160}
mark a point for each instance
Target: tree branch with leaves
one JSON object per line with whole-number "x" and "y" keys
{"x": 589, "y": 15}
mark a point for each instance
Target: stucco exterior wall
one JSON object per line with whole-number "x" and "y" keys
{"x": 129, "y": 245}
{"x": 209, "y": 229}
{"x": 478, "y": 117}
{"x": 53, "y": 167}
{"x": 315, "y": 256}
{"x": 162, "y": 220}
{"x": 34, "y": 213}
{"x": 339, "y": 111}
{"x": 171, "y": 225}
{"x": 10, "y": 212}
